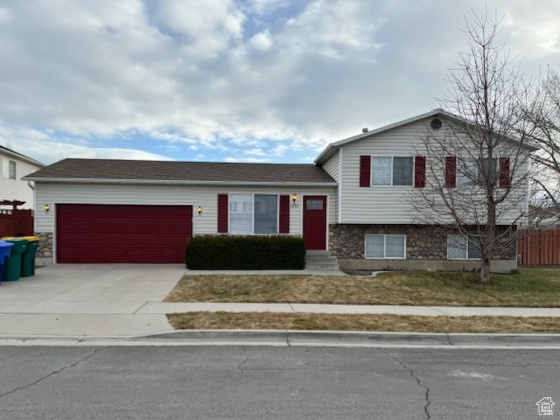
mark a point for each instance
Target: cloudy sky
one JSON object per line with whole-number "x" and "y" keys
{"x": 225, "y": 80}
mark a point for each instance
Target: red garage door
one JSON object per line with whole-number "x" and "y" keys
{"x": 122, "y": 234}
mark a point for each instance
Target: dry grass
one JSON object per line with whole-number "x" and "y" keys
{"x": 400, "y": 323}
{"x": 534, "y": 287}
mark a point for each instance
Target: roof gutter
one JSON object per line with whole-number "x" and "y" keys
{"x": 174, "y": 182}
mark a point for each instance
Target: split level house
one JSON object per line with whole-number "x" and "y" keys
{"x": 14, "y": 167}
{"x": 351, "y": 203}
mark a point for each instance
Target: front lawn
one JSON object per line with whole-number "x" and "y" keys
{"x": 534, "y": 287}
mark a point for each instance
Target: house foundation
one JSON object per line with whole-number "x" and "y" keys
{"x": 44, "y": 255}
{"x": 426, "y": 249}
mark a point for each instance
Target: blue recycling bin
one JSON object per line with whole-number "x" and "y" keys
{"x": 5, "y": 251}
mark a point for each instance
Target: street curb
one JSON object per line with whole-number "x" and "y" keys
{"x": 297, "y": 338}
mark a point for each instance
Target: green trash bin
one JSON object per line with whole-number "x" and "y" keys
{"x": 12, "y": 266}
{"x": 28, "y": 257}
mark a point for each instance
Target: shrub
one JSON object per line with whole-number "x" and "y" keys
{"x": 219, "y": 252}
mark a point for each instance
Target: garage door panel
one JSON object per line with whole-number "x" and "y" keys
{"x": 122, "y": 234}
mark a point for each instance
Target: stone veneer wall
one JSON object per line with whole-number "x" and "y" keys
{"x": 346, "y": 242}
{"x": 44, "y": 254}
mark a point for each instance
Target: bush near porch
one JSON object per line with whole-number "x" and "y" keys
{"x": 220, "y": 252}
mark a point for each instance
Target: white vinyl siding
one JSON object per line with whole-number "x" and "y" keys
{"x": 332, "y": 167}
{"x": 376, "y": 205}
{"x": 389, "y": 204}
{"x": 203, "y": 196}
{"x": 11, "y": 185}
{"x": 385, "y": 246}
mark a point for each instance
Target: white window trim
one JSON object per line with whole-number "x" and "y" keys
{"x": 385, "y": 247}
{"x": 392, "y": 183}
{"x": 466, "y": 238}
{"x": 253, "y": 213}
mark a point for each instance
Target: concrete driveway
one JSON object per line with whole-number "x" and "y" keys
{"x": 87, "y": 300}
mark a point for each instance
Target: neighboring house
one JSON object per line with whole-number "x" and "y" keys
{"x": 144, "y": 211}
{"x": 14, "y": 167}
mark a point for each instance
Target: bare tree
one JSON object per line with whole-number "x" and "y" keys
{"x": 476, "y": 185}
{"x": 544, "y": 117}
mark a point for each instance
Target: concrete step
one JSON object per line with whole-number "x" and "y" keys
{"x": 321, "y": 260}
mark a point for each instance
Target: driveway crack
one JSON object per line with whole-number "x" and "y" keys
{"x": 56, "y": 372}
{"x": 418, "y": 382}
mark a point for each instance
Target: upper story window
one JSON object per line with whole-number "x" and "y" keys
{"x": 391, "y": 170}
{"x": 461, "y": 172}
{"x": 8, "y": 169}
{"x": 473, "y": 172}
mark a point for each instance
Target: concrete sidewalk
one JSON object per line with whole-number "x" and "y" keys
{"x": 170, "y": 308}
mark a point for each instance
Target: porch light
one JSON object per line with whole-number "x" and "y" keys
{"x": 294, "y": 197}
{"x": 199, "y": 210}
{"x": 47, "y": 208}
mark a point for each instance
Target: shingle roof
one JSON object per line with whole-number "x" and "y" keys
{"x": 100, "y": 170}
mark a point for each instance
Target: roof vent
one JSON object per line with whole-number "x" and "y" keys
{"x": 435, "y": 124}
{"x": 365, "y": 130}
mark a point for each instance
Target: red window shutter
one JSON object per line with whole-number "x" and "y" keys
{"x": 504, "y": 177}
{"x": 450, "y": 171}
{"x": 420, "y": 172}
{"x": 365, "y": 171}
{"x": 284, "y": 219}
{"x": 223, "y": 211}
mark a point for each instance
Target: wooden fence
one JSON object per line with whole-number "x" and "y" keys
{"x": 539, "y": 246}
{"x": 16, "y": 223}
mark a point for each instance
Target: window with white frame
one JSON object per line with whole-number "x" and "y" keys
{"x": 391, "y": 170}
{"x": 467, "y": 173}
{"x": 8, "y": 169}
{"x": 12, "y": 170}
{"x": 460, "y": 247}
{"x": 471, "y": 172}
{"x": 253, "y": 214}
{"x": 385, "y": 246}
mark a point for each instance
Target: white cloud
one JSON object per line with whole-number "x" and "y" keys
{"x": 223, "y": 75}
{"x": 46, "y": 149}
{"x": 261, "y": 41}
{"x": 256, "y": 152}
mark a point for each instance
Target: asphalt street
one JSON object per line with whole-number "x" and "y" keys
{"x": 262, "y": 382}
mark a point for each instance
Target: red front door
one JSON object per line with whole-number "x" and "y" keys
{"x": 315, "y": 222}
